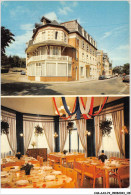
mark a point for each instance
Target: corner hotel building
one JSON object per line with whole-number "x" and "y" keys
{"x": 61, "y": 52}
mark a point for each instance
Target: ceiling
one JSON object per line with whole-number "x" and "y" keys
{"x": 43, "y": 105}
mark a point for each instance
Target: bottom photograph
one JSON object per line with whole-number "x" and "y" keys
{"x": 65, "y": 142}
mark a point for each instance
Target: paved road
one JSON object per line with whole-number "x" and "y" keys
{"x": 113, "y": 86}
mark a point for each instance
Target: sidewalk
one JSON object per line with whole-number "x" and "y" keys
{"x": 23, "y": 78}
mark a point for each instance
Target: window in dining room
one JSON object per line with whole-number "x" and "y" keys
{"x": 40, "y": 141}
{"x": 109, "y": 143}
{"x": 5, "y": 147}
{"x": 73, "y": 141}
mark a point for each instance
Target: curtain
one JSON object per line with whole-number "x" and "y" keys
{"x": 63, "y": 134}
{"x": 49, "y": 132}
{"x": 118, "y": 122}
{"x": 28, "y": 128}
{"x": 11, "y": 137}
{"x": 81, "y": 128}
{"x": 98, "y": 134}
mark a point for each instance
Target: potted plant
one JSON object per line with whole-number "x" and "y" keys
{"x": 4, "y": 127}
{"x": 38, "y": 130}
{"x": 65, "y": 151}
{"x": 27, "y": 167}
{"x": 105, "y": 127}
{"x": 70, "y": 125}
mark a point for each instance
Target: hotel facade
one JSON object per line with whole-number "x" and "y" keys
{"x": 61, "y": 52}
{"x": 104, "y": 66}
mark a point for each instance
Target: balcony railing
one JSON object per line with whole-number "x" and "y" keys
{"x": 49, "y": 57}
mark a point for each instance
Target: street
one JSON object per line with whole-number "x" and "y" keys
{"x": 18, "y": 87}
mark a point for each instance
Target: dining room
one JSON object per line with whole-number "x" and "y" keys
{"x": 65, "y": 142}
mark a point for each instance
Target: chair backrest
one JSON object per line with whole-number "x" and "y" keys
{"x": 80, "y": 158}
{"x": 123, "y": 172}
{"x": 89, "y": 170}
{"x": 73, "y": 174}
{"x": 78, "y": 166}
{"x": 63, "y": 169}
{"x": 56, "y": 158}
{"x": 57, "y": 167}
{"x": 38, "y": 157}
{"x": 70, "y": 158}
{"x": 41, "y": 161}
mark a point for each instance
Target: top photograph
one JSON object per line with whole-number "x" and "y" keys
{"x": 65, "y": 48}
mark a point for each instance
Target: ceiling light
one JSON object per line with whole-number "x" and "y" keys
{"x": 62, "y": 107}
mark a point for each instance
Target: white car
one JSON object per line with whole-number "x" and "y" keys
{"x": 108, "y": 76}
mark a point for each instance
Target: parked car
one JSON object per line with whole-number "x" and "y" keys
{"x": 23, "y": 72}
{"x": 107, "y": 76}
{"x": 101, "y": 77}
{"x": 126, "y": 78}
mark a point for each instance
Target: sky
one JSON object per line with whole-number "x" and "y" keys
{"x": 106, "y": 21}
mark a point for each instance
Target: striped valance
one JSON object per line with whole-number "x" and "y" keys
{"x": 8, "y": 114}
{"x": 38, "y": 118}
{"x": 112, "y": 109}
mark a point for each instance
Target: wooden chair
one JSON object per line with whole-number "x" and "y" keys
{"x": 51, "y": 160}
{"x": 63, "y": 169}
{"x": 38, "y": 157}
{"x": 92, "y": 172}
{"x": 41, "y": 161}
{"x": 78, "y": 167}
{"x": 70, "y": 160}
{"x": 80, "y": 159}
{"x": 57, "y": 159}
{"x": 72, "y": 174}
{"x": 57, "y": 167}
{"x": 122, "y": 174}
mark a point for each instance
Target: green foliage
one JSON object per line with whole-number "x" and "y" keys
{"x": 118, "y": 69}
{"x": 6, "y": 38}
{"x": 4, "y": 127}
{"x": 126, "y": 68}
{"x": 38, "y": 130}
{"x": 105, "y": 127}
{"x": 122, "y": 69}
{"x": 13, "y": 61}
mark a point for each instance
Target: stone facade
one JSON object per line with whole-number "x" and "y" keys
{"x": 104, "y": 66}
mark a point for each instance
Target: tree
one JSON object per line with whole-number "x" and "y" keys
{"x": 118, "y": 69}
{"x": 6, "y": 39}
{"x": 126, "y": 68}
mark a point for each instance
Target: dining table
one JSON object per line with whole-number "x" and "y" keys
{"x": 13, "y": 160}
{"x": 107, "y": 167}
{"x": 40, "y": 177}
{"x": 62, "y": 157}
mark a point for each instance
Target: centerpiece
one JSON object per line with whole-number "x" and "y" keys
{"x": 18, "y": 155}
{"x": 33, "y": 144}
{"x": 27, "y": 167}
{"x": 65, "y": 151}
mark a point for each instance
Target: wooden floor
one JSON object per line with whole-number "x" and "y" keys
{"x": 113, "y": 184}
